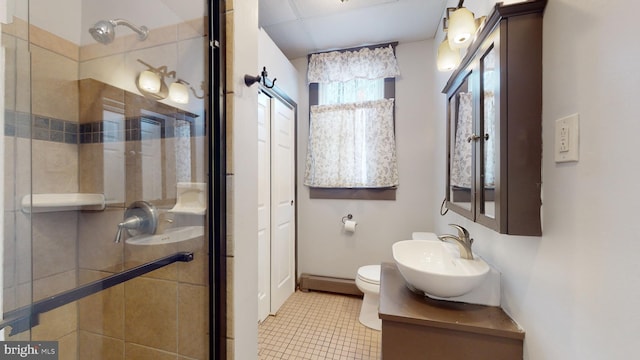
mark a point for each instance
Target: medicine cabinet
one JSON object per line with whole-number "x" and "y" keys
{"x": 494, "y": 123}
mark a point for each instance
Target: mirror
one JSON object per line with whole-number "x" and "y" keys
{"x": 490, "y": 83}
{"x": 494, "y": 128}
{"x": 461, "y": 159}
{"x": 142, "y": 148}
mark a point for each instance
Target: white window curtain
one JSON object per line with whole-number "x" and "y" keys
{"x": 352, "y": 146}
{"x": 351, "y": 135}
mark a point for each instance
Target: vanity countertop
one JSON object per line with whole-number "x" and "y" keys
{"x": 401, "y": 305}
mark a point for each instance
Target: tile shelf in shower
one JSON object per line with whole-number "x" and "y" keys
{"x": 37, "y": 203}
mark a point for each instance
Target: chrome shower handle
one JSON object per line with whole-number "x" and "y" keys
{"x": 140, "y": 217}
{"x": 133, "y": 222}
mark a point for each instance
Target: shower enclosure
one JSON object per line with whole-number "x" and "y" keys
{"x": 111, "y": 214}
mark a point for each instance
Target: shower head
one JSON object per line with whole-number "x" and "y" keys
{"x": 104, "y": 30}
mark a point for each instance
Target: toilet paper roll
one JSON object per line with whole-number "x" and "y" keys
{"x": 350, "y": 226}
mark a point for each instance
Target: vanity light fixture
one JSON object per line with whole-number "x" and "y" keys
{"x": 462, "y": 27}
{"x": 179, "y": 92}
{"x": 448, "y": 58}
{"x": 149, "y": 81}
{"x": 152, "y": 84}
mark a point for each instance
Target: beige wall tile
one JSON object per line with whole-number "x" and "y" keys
{"x": 56, "y": 323}
{"x": 55, "y": 167}
{"x": 96, "y": 235}
{"x": 55, "y": 87}
{"x": 150, "y": 313}
{"x": 17, "y": 69}
{"x": 17, "y": 72}
{"x": 94, "y": 346}
{"x": 54, "y": 284}
{"x": 22, "y": 169}
{"x": 10, "y": 259}
{"x": 230, "y": 214}
{"x": 24, "y": 77}
{"x": 230, "y": 307}
{"x": 102, "y": 312}
{"x": 229, "y": 106}
{"x": 54, "y": 243}
{"x": 68, "y": 347}
{"x": 136, "y": 255}
{"x": 47, "y": 40}
{"x": 90, "y": 168}
{"x": 193, "y": 325}
{"x": 229, "y": 38}
{"x": 9, "y": 162}
{"x": 17, "y": 27}
{"x": 138, "y": 352}
{"x": 196, "y": 271}
{"x": 24, "y": 271}
{"x": 230, "y": 347}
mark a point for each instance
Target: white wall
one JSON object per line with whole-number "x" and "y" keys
{"x": 575, "y": 290}
{"x": 278, "y": 66}
{"x": 323, "y": 247}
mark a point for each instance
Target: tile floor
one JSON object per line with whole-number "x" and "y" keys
{"x": 317, "y": 325}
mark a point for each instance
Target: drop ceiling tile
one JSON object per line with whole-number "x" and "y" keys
{"x": 314, "y": 8}
{"x": 366, "y": 22}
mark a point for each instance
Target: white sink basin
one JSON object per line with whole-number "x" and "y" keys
{"x": 171, "y": 235}
{"x": 436, "y": 268}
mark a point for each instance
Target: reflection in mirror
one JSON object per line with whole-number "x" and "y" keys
{"x": 490, "y": 81}
{"x": 151, "y": 156}
{"x": 114, "y": 152}
{"x": 183, "y": 150}
{"x": 461, "y": 112}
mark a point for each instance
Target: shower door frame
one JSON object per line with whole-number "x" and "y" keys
{"x": 217, "y": 183}
{"x": 216, "y": 148}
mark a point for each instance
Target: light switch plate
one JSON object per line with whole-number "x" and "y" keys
{"x": 567, "y": 139}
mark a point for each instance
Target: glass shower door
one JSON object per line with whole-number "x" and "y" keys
{"x": 106, "y": 177}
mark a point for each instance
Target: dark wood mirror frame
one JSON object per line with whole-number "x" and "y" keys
{"x": 515, "y": 31}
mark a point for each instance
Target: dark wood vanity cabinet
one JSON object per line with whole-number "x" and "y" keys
{"x": 415, "y": 327}
{"x": 494, "y": 130}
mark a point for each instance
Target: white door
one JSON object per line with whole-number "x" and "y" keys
{"x": 264, "y": 206}
{"x": 283, "y": 277}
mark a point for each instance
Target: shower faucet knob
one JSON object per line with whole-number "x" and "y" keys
{"x": 140, "y": 217}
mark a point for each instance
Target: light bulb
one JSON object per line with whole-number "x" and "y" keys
{"x": 461, "y": 28}
{"x": 179, "y": 93}
{"x": 448, "y": 59}
{"x": 149, "y": 81}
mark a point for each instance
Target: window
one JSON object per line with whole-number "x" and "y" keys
{"x": 351, "y": 136}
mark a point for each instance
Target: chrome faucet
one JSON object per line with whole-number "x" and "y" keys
{"x": 462, "y": 240}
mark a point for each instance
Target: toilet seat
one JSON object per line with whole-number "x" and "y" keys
{"x": 369, "y": 274}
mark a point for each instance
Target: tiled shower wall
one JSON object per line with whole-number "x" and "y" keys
{"x": 161, "y": 315}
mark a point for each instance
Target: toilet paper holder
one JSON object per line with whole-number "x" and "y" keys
{"x": 346, "y": 217}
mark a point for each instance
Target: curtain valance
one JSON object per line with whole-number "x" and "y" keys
{"x": 342, "y": 66}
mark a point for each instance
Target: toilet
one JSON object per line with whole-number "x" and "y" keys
{"x": 368, "y": 281}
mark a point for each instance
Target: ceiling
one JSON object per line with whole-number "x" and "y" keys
{"x": 300, "y": 27}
